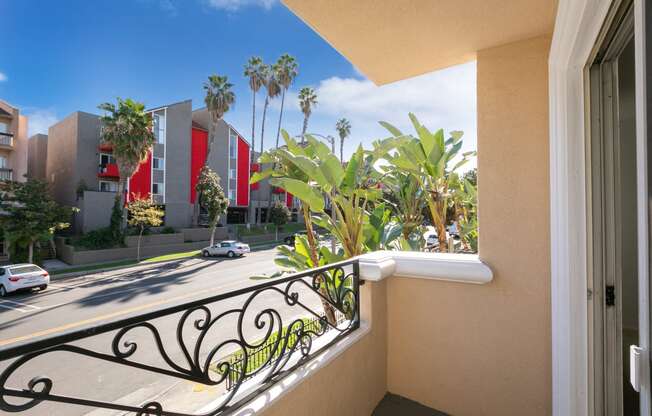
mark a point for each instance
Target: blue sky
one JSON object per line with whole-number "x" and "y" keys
{"x": 59, "y": 57}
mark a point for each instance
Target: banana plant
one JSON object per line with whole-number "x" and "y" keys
{"x": 430, "y": 159}
{"x": 465, "y": 203}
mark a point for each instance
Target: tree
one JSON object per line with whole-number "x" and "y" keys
{"x": 29, "y": 214}
{"x": 213, "y": 199}
{"x": 144, "y": 213}
{"x": 430, "y": 159}
{"x": 219, "y": 99}
{"x": 286, "y": 72}
{"x": 343, "y": 127}
{"x": 279, "y": 215}
{"x": 254, "y": 72}
{"x": 403, "y": 192}
{"x": 273, "y": 89}
{"x": 307, "y": 101}
{"x": 127, "y": 128}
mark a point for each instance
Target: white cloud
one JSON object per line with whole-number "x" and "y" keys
{"x": 3, "y": 77}
{"x": 442, "y": 99}
{"x": 234, "y": 5}
{"x": 40, "y": 119}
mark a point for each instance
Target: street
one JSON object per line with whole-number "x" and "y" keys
{"x": 80, "y": 302}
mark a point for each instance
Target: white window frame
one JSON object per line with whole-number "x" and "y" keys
{"x": 6, "y": 127}
{"x": 232, "y": 195}
{"x": 161, "y": 162}
{"x": 161, "y": 188}
{"x": 110, "y": 157}
{"x": 110, "y": 183}
{"x": 233, "y": 174}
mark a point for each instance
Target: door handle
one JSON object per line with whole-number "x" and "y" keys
{"x": 635, "y": 353}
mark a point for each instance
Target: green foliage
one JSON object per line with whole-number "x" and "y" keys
{"x": 168, "y": 230}
{"x": 144, "y": 213}
{"x": 29, "y": 214}
{"x": 99, "y": 239}
{"x": 211, "y": 196}
{"x": 279, "y": 214}
{"x": 128, "y": 129}
{"x": 219, "y": 96}
{"x": 115, "y": 226}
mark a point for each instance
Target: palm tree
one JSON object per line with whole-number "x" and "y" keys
{"x": 219, "y": 99}
{"x": 273, "y": 89}
{"x": 253, "y": 71}
{"x": 343, "y": 127}
{"x": 307, "y": 100}
{"x": 127, "y": 128}
{"x": 286, "y": 72}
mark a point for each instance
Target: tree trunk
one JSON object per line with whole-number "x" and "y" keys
{"x": 53, "y": 246}
{"x": 122, "y": 188}
{"x": 280, "y": 118}
{"x": 342, "y": 150}
{"x": 213, "y": 226}
{"x": 259, "y": 220}
{"x": 30, "y": 252}
{"x": 140, "y": 235}
{"x": 329, "y": 311}
{"x": 276, "y": 237}
{"x": 303, "y": 131}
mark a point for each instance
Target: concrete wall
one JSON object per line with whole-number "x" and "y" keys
{"x": 353, "y": 383}
{"x": 155, "y": 239}
{"x": 61, "y": 163}
{"x": 204, "y": 234}
{"x": 178, "y": 211}
{"x": 95, "y": 210}
{"x": 37, "y": 156}
{"x": 21, "y": 149}
{"x": 485, "y": 350}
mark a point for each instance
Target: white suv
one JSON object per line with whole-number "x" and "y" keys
{"x": 22, "y": 276}
{"x": 230, "y": 248}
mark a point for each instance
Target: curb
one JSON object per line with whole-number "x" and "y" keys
{"x": 108, "y": 269}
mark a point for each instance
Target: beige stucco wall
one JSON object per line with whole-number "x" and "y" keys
{"x": 353, "y": 383}
{"x": 485, "y": 350}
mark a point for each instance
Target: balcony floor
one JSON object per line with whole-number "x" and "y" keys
{"x": 393, "y": 405}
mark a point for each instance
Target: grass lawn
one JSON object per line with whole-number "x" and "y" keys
{"x": 172, "y": 256}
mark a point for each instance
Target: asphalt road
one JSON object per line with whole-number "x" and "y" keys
{"x": 85, "y": 301}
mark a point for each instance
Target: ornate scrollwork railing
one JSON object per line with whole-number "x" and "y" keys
{"x": 206, "y": 357}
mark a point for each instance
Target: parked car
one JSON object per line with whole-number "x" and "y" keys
{"x": 229, "y": 248}
{"x": 431, "y": 240}
{"x": 289, "y": 240}
{"x": 22, "y": 276}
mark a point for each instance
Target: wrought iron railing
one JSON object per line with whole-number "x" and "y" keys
{"x": 7, "y": 139}
{"x": 275, "y": 314}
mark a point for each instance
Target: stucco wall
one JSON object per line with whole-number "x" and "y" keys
{"x": 353, "y": 383}
{"x": 37, "y": 156}
{"x": 95, "y": 210}
{"x": 485, "y": 350}
{"x": 178, "y": 211}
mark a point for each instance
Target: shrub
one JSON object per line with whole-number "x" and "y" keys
{"x": 97, "y": 239}
{"x": 168, "y": 230}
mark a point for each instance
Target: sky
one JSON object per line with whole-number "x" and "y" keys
{"x": 61, "y": 57}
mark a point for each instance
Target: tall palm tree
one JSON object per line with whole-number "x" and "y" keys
{"x": 219, "y": 99}
{"x": 273, "y": 89}
{"x": 286, "y": 72}
{"x": 307, "y": 100}
{"x": 343, "y": 127}
{"x": 253, "y": 71}
{"x": 127, "y": 128}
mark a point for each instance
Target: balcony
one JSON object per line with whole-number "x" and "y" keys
{"x": 108, "y": 170}
{"x": 6, "y": 141}
{"x": 6, "y": 174}
{"x": 105, "y": 147}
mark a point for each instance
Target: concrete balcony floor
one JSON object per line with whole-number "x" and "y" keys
{"x": 393, "y": 405}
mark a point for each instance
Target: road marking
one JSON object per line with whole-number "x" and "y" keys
{"x": 13, "y": 308}
{"x": 21, "y": 304}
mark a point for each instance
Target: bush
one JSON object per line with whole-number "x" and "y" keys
{"x": 97, "y": 239}
{"x": 168, "y": 230}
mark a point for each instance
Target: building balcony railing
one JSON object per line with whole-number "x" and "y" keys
{"x": 108, "y": 170}
{"x": 6, "y": 174}
{"x": 7, "y": 140}
{"x": 105, "y": 147}
{"x": 244, "y": 342}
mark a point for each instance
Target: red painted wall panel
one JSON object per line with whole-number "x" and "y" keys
{"x": 199, "y": 148}
{"x": 140, "y": 183}
{"x": 242, "y": 192}
{"x": 288, "y": 200}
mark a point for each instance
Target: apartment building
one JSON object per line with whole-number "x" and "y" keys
{"x": 37, "y": 155}
{"x": 13, "y": 143}
{"x": 83, "y": 172}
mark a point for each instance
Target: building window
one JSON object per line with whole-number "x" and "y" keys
{"x": 158, "y": 163}
{"x": 106, "y": 158}
{"x": 232, "y": 174}
{"x": 3, "y": 162}
{"x": 4, "y": 127}
{"x": 108, "y": 186}
{"x": 232, "y": 195}
{"x": 157, "y": 188}
{"x": 158, "y": 127}
{"x": 233, "y": 145}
